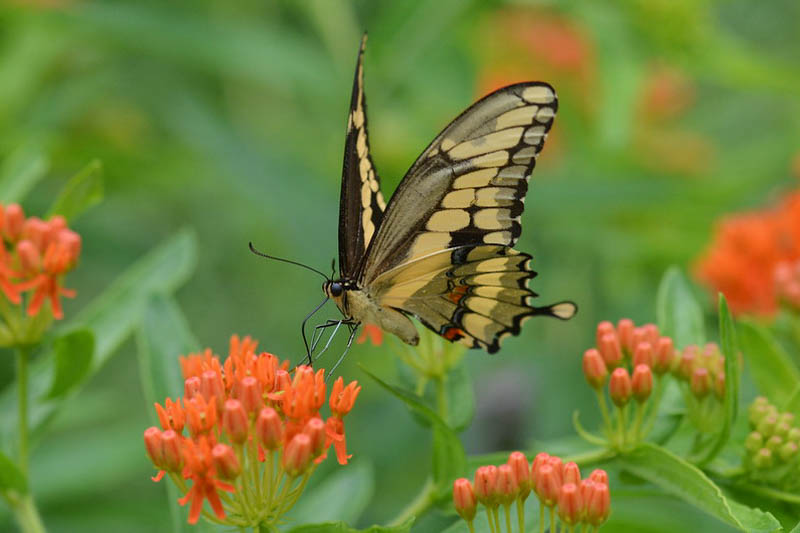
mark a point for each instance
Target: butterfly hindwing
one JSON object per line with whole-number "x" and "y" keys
{"x": 468, "y": 187}
{"x": 476, "y": 295}
{"x": 361, "y": 203}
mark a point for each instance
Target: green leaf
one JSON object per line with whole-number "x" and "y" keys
{"x": 112, "y": 316}
{"x": 73, "y": 357}
{"x": 684, "y": 480}
{"x": 730, "y": 405}
{"x": 341, "y": 527}
{"x": 796, "y": 529}
{"x": 460, "y": 398}
{"x": 793, "y": 403}
{"x": 81, "y": 192}
{"x": 678, "y": 314}
{"x": 163, "y": 335}
{"x": 343, "y": 495}
{"x": 773, "y": 371}
{"x": 449, "y": 459}
{"x": 20, "y": 172}
{"x": 11, "y": 477}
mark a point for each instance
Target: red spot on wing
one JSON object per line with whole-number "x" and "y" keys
{"x": 457, "y": 293}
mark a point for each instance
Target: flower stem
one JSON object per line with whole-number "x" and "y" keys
{"x": 22, "y": 404}
{"x": 601, "y": 402}
{"x": 28, "y": 516}
{"x": 471, "y": 527}
{"x": 521, "y": 514}
{"x": 541, "y": 517}
{"x": 507, "y": 510}
{"x": 418, "y": 506}
{"x": 553, "y": 528}
{"x": 441, "y": 397}
{"x": 621, "y": 427}
{"x": 637, "y": 424}
{"x": 491, "y": 522}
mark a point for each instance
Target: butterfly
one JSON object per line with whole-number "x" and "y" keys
{"x": 441, "y": 249}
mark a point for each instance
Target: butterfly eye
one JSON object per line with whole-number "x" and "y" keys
{"x": 336, "y": 289}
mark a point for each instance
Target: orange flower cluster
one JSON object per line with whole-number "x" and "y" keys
{"x": 787, "y": 283}
{"x": 250, "y": 422}
{"x": 34, "y": 257}
{"x": 744, "y": 257}
{"x": 557, "y": 485}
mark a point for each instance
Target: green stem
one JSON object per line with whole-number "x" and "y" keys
{"x": 491, "y": 522}
{"x": 521, "y": 514}
{"x": 507, "y": 510}
{"x": 590, "y": 457}
{"x": 637, "y": 424}
{"x": 770, "y": 493}
{"x": 553, "y": 528}
{"x": 471, "y": 527}
{"x": 601, "y": 401}
{"x": 496, "y": 515}
{"x": 655, "y": 402}
{"x": 22, "y": 404}
{"x": 28, "y": 516}
{"x": 441, "y": 397}
{"x": 418, "y": 505}
{"x": 541, "y": 517}
{"x": 620, "y": 427}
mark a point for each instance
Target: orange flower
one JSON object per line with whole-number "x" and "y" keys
{"x": 373, "y": 333}
{"x": 747, "y": 248}
{"x": 249, "y": 419}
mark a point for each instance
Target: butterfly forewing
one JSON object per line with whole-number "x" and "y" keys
{"x": 361, "y": 204}
{"x": 468, "y": 187}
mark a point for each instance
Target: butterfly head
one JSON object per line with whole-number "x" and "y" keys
{"x": 333, "y": 289}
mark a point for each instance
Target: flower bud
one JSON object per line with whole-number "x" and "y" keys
{"x": 485, "y": 482}
{"x": 651, "y": 334}
{"x": 700, "y": 384}
{"x": 571, "y": 474}
{"x": 599, "y": 476}
{"x": 603, "y": 328}
{"x": 754, "y": 442}
{"x": 173, "y": 457}
{"x": 548, "y": 485}
{"x": 794, "y": 435}
{"x": 225, "y": 462}
{"x": 619, "y": 387}
{"x": 153, "y": 447}
{"x": 782, "y": 429}
{"x": 597, "y": 504}
{"x": 642, "y": 383}
{"x": 297, "y": 455}
{"x": 235, "y": 421}
{"x": 773, "y": 443}
{"x": 664, "y": 355}
{"x": 540, "y": 459}
{"x": 786, "y": 418}
{"x": 249, "y": 393}
{"x": 687, "y": 362}
{"x": 211, "y": 387}
{"x": 757, "y": 412}
{"x": 522, "y": 474}
{"x": 29, "y": 257}
{"x": 788, "y": 451}
{"x": 464, "y": 499}
{"x": 594, "y": 368}
{"x": 570, "y": 504}
{"x": 191, "y": 387}
{"x": 625, "y": 329}
{"x": 269, "y": 428}
{"x": 282, "y": 380}
{"x": 506, "y": 485}
{"x": 643, "y": 354}
{"x": 14, "y": 218}
{"x": 610, "y": 350}
{"x": 315, "y": 429}
{"x": 767, "y": 425}
{"x": 763, "y": 458}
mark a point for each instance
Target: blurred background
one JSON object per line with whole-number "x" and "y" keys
{"x": 229, "y": 118}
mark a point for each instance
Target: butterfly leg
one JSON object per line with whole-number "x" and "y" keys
{"x": 353, "y": 331}
{"x": 338, "y": 324}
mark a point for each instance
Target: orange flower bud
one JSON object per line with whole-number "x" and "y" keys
{"x": 315, "y": 429}
{"x": 506, "y": 487}
{"x": 269, "y": 428}
{"x": 171, "y": 445}
{"x": 266, "y": 369}
{"x": 651, "y": 334}
{"x": 249, "y": 393}
{"x": 701, "y": 382}
{"x": 191, "y": 387}
{"x": 548, "y": 485}
{"x": 610, "y": 350}
{"x": 235, "y": 421}
{"x": 642, "y": 383}
{"x": 153, "y": 447}
{"x": 594, "y": 368}
{"x": 225, "y": 462}
{"x": 464, "y": 499}
{"x": 643, "y": 354}
{"x": 71, "y": 242}
{"x": 625, "y": 329}
{"x": 619, "y": 387}
{"x": 599, "y": 476}
{"x": 29, "y": 258}
{"x": 687, "y": 362}
{"x": 665, "y": 354}
{"x": 211, "y": 387}
{"x": 319, "y": 390}
{"x": 572, "y": 474}
{"x": 603, "y": 328}
{"x": 522, "y": 474}
{"x": 570, "y": 504}
{"x": 13, "y": 220}
{"x": 597, "y": 504}
{"x": 540, "y": 459}
{"x": 485, "y": 482}
{"x": 297, "y": 455}
{"x": 282, "y": 380}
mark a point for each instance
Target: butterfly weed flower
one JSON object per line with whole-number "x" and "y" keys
{"x": 558, "y": 486}
{"x": 247, "y": 434}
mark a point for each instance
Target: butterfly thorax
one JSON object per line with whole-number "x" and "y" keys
{"x": 356, "y": 304}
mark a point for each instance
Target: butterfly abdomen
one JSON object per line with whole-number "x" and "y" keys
{"x": 365, "y": 310}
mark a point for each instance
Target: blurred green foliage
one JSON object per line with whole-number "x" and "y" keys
{"x": 228, "y": 117}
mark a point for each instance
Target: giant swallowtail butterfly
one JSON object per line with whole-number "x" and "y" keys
{"x": 441, "y": 249}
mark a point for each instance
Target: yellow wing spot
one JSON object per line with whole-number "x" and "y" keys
{"x": 364, "y": 168}
{"x": 460, "y": 198}
{"x": 448, "y": 220}
{"x": 447, "y": 144}
{"x": 538, "y": 94}
{"x": 497, "y": 237}
{"x": 525, "y": 155}
{"x": 533, "y": 135}
{"x": 381, "y": 201}
{"x": 564, "y": 310}
{"x": 493, "y": 196}
{"x": 366, "y": 195}
{"x": 366, "y": 223}
{"x": 361, "y": 143}
{"x": 499, "y": 279}
{"x": 493, "y": 218}
{"x": 373, "y": 183}
{"x": 516, "y": 117}
{"x": 498, "y": 264}
{"x": 493, "y": 141}
{"x": 477, "y": 325}
{"x": 545, "y": 114}
{"x": 358, "y": 115}
{"x": 494, "y": 159}
{"x": 483, "y": 306}
{"x": 478, "y": 178}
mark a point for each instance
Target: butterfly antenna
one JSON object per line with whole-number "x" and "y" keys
{"x": 303, "y": 328}
{"x": 267, "y": 256}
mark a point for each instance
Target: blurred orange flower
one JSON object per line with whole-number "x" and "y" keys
{"x": 747, "y": 249}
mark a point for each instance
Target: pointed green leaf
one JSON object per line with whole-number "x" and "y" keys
{"x": 81, "y": 192}
{"x": 678, "y": 314}
{"x": 343, "y": 495}
{"x": 73, "y": 357}
{"x": 20, "y": 172}
{"x": 341, "y": 527}
{"x": 111, "y": 317}
{"x": 684, "y": 480}
{"x": 11, "y": 477}
{"x": 730, "y": 405}
{"x": 773, "y": 371}
{"x": 449, "y": 459}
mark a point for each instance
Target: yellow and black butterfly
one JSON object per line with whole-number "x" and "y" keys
{"x": 441, "y": 249}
